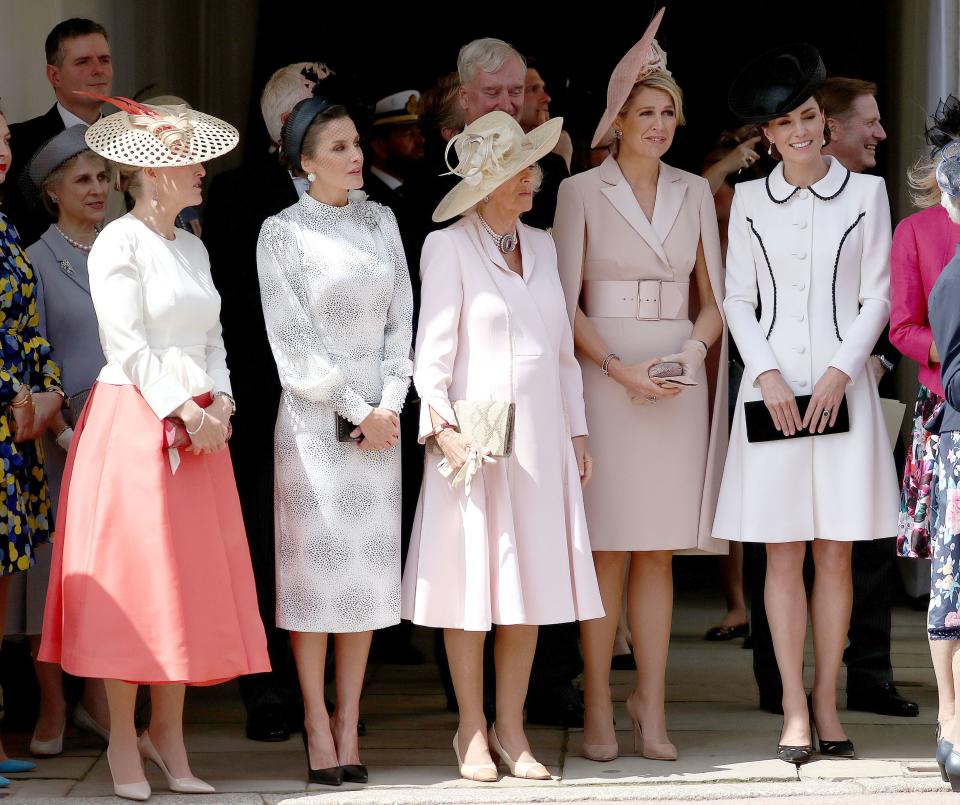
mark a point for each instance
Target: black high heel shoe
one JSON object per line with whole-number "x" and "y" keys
{"x": 832, "y": 748}
{"x": 355, "y": 773}
{"x": 952, "y": 770}
{"x": 798, "y": 755}
{"x": 333, "y": 775}
{"x": 944, "y": 748}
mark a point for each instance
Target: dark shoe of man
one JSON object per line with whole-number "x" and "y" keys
{"x": 267, "y": 724}
{"x": 882, "y": 699}
{"x": 558, "y": 706}
{"x": 772, "y": 701}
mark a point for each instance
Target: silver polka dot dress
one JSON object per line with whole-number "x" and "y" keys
{"x": 338, "y": 307}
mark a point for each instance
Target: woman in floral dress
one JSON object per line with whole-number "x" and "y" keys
{"x": 30, "y": 396}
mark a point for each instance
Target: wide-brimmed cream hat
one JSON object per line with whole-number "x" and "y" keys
{"x": 492, "y": 150}
{"x": 154, "y": 136}
{"x": 643, "y": 59}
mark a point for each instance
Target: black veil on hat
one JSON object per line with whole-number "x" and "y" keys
{"x": 776, "y": 83}
{"x": 945, "y": 125}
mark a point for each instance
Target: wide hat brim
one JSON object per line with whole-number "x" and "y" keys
{"x": 117, "y": 139}
{"x": 776, "y": 83}
{"x": 622, "y": 80}
{"x": 535, "y": 145}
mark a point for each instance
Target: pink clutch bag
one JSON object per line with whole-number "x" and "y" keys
{"x": 670, "y": 372}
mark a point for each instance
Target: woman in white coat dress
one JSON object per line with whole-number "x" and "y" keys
{"x": 810, "y": 245}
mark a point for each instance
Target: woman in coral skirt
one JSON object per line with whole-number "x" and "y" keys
{"x": 151, "y": 581}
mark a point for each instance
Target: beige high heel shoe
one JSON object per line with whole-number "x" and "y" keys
{"x": 482, "y": 773}
{"x": 139, "y": 791}
{"x": 524, "y": 769}
{"x": 651, "y": 751}
{"x": 181, "y": 785}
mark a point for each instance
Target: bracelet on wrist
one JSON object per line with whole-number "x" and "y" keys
{"x": 605, "y": 365}
{"x": 20, "y": 402}
{"x": 885, "y": 362}
{"x": 203, "y": 416}
{"x": 442, "y": 427}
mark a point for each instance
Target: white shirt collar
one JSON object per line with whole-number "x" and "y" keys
{"x": 390, "y": 181}
{"x": 69, "y": 118}
{"x": 300, "y": 183}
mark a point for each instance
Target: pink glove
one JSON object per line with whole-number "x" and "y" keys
{"x": 690, "y": 357}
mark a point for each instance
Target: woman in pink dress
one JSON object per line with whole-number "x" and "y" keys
{"x": 151, "y": 580}
{"x": 923, "y": 243}
{"x": 508, "y": 544}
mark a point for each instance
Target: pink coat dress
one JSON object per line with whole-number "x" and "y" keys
{"x": 658, "y": 466}
{"x": 923, "y": 244}
{"x": 516, "y": 550}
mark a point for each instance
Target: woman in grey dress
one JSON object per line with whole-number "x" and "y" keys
{"x": 72, "y": 183}
{"x": 338, "y": 308}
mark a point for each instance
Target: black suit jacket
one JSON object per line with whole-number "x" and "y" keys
{"x": 26, "y": 139}
{"x": 238, "y": 203}
{"x": 412, "y": 232}
{"x": 943, "y": 311}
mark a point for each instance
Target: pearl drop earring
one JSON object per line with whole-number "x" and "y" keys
{"x": 770, "y": 150}
{"x": 155, "y": 201}
{"x": 311, "y": 177}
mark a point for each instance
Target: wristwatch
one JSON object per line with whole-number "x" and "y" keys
{"x": 885, "y": 362}
{"x": 229, "y": 399}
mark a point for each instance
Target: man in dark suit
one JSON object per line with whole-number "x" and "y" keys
{"x": 238, "y": 202}
{"x": 395, "y": 151}
{"x": 78, "y": 58}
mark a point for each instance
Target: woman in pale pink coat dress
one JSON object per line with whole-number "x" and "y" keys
{"x": 511, "y": 547}
{"x": 639, "y": 255}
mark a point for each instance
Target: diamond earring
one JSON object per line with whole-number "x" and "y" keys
{"x": 311, "y": 177}
{"x": 618, "y": 134}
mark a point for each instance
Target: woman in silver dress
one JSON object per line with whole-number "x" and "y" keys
{"x": 338, "y": 308}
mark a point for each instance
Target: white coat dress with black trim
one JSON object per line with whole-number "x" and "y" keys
{"x": 817, "y": 261}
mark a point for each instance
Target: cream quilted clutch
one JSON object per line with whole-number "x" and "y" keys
{"x": 487, "y": 423}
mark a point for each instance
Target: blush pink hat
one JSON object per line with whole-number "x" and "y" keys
{"x": 641, "y": 60}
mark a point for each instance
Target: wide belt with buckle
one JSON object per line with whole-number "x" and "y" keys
{"x": 636, "y": 299}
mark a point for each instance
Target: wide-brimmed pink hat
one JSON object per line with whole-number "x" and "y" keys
{"x": 641, "y": 60}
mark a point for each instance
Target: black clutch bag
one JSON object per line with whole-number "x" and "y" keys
{"x": 344, "y": 428}
{"x": 760, "y": 427}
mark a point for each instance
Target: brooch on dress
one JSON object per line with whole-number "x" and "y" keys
{"x": 66, "y": 268}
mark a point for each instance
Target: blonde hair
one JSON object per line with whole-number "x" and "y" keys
{"x": 128, "y": 179}
{"x": 662, "y": 81}
{"x": 285, "y": 89}
{"x": 922, "y": 180}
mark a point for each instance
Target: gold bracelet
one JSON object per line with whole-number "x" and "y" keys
{"x": 25, "y": 400}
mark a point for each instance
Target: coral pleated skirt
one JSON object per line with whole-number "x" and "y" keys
{"x": 151, "y": 579}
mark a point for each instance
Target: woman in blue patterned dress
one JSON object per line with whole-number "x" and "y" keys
{"x": 30, "y": 396}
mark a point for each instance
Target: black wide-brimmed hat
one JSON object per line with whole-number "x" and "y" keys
{"x": 776, "y": 83}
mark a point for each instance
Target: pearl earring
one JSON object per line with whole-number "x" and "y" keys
{"x": 156, "y": 199}
{"x": 311, "y": 177}
{"x": 823, "y": 142}
{"x": 770, "y": 150}
{"x": 486, "y": 199}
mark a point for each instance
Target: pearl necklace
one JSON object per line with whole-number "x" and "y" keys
{"x": 505, "y": 243}
{"x": 83, "y": 247}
